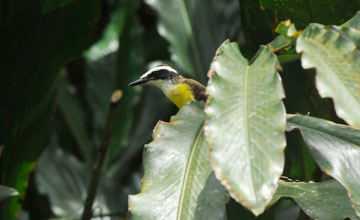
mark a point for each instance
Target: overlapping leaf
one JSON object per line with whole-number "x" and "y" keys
{"x": 245, "y": 124}
{"x": 287, "y": 37}
{"x": 325, "y": 200}
{"x": 64, "y": 179}
{"x": 335, "y": 148}
{"x": 337, "y": 61}
{"x": 287, "y": 29}
{"x": 178, "y": 182}
{"x": 194, "y": 29}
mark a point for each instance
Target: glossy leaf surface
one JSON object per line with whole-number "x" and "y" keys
{"x": 195, "y": 29}
{"x": 325, "y": 200}
{"x": 337, "y": 61}
{"x": 335, "y": 148}
{"x": 245, "y": 124}
{"x": 178, "y": 182}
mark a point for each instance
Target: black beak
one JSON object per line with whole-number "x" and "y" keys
{"x": 138, "y": 82}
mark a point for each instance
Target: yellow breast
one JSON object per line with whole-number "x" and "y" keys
{"x": 180, "y": 94}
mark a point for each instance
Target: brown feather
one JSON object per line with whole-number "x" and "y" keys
{"x": 198, "y": 89}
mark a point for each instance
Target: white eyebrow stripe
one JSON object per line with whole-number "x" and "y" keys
{"x": 168, "y": 68}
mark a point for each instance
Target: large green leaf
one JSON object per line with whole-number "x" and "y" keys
{"x": 194, "y": 29}
{"x": 65, "y": 180}
{"x": 335, "y": 148}
{"x": 6, "y": 192}
{"x": 323, "y": 201}
{"x": 303, "y": 12}
{"x": 245, "y": 124}
{"x": 34, "y": 46}
{"x": 178, "y": 181}
{"x": 337, "y": 61}
{"x": 74, "y": 115}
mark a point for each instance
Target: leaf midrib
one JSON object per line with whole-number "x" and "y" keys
{"x": 188, "y": 28}
{"x": 246, "y": 132}
{"x": 186, "y": 174}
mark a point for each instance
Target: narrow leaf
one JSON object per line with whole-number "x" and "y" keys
{"x": 109, "y": 42}
{"x": 178, "y": 182}
{"x": 194, "y": 29}
{"x": 337, "y": 62}
{"x": 245, "y": 124}
{"x": 323, "y": 201}
{"x": 335, "y": 148}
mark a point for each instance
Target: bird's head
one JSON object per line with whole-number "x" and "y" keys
{"x": 159, "y": 76}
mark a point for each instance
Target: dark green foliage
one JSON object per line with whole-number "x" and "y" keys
{"x": 60, "y": 61}
{"x": 34, "y": 46}
{"x": 303, "y": 12}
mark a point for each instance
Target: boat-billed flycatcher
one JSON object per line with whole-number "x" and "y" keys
{"x": 178, "y": 89}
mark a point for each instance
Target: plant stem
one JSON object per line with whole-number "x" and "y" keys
{"x": 100, "y": 156}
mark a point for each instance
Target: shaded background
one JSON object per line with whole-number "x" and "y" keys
{"x": 61, "y": 61}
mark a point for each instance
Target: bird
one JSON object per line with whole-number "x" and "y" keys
{"x": 176, "y": 88}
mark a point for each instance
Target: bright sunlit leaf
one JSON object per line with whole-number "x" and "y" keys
{"x": 178, "y": 182}
{"x": 245, "y": 124}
